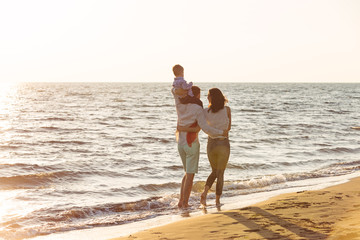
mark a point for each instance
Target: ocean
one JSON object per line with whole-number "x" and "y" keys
{"x": 94, "y": 156}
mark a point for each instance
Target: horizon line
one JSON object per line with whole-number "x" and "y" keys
{"x": 171, "y": 83}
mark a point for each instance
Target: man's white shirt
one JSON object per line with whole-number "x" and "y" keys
{"x": 190, "y": 113}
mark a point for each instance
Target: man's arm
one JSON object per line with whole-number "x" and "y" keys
{"x": 212, "y": 132}
{"x": 188, "y": 129}
{"x": 229, "y": 116}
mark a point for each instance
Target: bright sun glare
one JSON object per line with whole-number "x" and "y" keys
{"x": 7, "y": 91}
{"x": 6, "y": 87}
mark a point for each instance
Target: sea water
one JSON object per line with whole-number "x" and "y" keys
{"x": 77, "y": 156}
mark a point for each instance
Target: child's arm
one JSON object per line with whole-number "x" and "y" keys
{"x": 188, "y": 129}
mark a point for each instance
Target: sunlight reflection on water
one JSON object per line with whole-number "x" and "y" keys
{"x": 80, "y": 155}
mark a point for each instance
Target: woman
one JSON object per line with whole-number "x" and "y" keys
{"x": 218, "y": 149}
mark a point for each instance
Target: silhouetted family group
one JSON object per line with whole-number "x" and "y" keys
{"x": 215, "y": 120}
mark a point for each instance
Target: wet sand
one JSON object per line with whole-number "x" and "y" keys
{"x": 330, "y": 213}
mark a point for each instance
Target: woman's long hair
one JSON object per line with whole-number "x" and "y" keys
{"x": 217, "y": 100}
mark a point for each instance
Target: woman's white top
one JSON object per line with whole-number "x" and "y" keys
{"x": 218, "y": 120}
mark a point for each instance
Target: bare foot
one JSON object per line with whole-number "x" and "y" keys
{"x": 185, "y": 205}
{"x": 203, "y": 199}
{"x": 218, "y": 204}
{"x": 180, "y": 204}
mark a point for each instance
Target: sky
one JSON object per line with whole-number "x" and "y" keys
{"x": 215, "y": 41}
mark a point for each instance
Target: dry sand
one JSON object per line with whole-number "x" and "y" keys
{"x": 331, "y": 213}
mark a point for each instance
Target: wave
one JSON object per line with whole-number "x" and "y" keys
{"x": 58, "y": 119}
{"x": 50, "y": 128}
{"x": 125, "y": 118}
{"x": 53, "y": 171}
{"x": 45, "y": 179}
{"x": 338, "y": 111}
{"x": 65, "y": 142}
{"x": 20, "y": 130}
{"x": 155, "y": 106}
{"x": 61, "y": 129}
{"x": 353, "y": 163}
{"x": 26, "y": 167}
{"x": 250, "y": 110}
{"x": 275, "y": 140}
{"x": 82, "y": 212}
{"x": 308, "y": 125}
{"x": 104, "y": 123}
{"x": 155, "y": 139}
{"x": 78, "y": 94}
{"x": 158, "y": 187}
{"x": 254, "y": 183}
{"x": 8, "y": 147}
{"x": 68, "y": 219}
{"x": 35, "y": 180}
{"x": 273, "y": 164}
{"x": 339, "y": 150}
{"x": 247, "y": 166}
{"x": 175, "y": 167}
{"x": 128, "y": 145}
{"x": 119, "y": 100}
{"x": 335, "y": 169}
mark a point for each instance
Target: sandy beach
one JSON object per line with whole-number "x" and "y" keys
{"x": 330, "y": 213}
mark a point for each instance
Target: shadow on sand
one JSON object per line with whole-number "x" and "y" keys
{"x": 270, "y": 226}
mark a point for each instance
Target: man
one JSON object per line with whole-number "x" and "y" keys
{"x": 189, "y": 149}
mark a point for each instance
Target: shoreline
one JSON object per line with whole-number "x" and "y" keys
{"x": 230, "y": 203}
{"x": 328, "y": 213}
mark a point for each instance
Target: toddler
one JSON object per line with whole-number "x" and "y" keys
{"x": 180, "y": 82}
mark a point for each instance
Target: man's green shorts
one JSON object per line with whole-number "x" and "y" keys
{"x": 190, "y": 156}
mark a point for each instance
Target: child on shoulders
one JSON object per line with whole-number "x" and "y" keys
{"x": 186, "y": 95}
